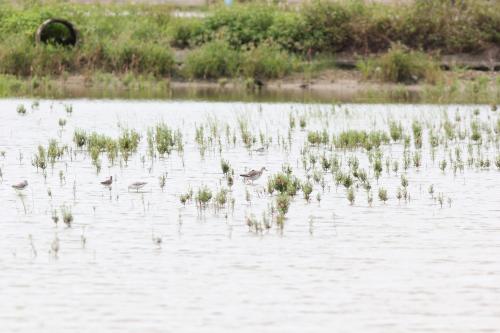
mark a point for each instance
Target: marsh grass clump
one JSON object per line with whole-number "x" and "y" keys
{"x": 80, "y": 138}
{"x": 345, "y": 179}
{"x": 94, "y": 155}
{"x": 93, "y": 140}
{"x": 449, "y": 130}
{"x": 382, "y": 194}
{"x": 128, "y": 143}
{"x": 21, "y": 109}
{"x": 353, "y": 139}
{"x": 54, "y": 151}
{"x": 283, "y": 183}
{"x": 68, "y": 108}
{"x": 40, "y": 159}
{"x": 417, "y": 133}
{"x": 417, "y": 159}
{"x": 433, "y": 139}
{"x": 246, "y": 136}
{"x": 67, "y": 215}
{"x": 440, "y": 199}
{"x": 316, "y": 138}
{"x": 396, "y": 131}
{"x": 203, "y": 197}
{"x": 351, "y": 195}
{"x": 226, "y": 167}
{"x": 430, "y": 190}
{"x": 443, "y": 164}
{"x": 283, "y": 203}
{"x": 307, "y": 190}
{"x": 55, "y": 217}
{"x": 377, "y": 167}
{"x": 302, "y": 123}
{"x": 476, "y": 131}
{"x": 221, "y": 198}
{"x": 399, "y": 194}
{"x": 111, "y": 150}
{"x": 184, "y": 198}
{"x": 162, "y": 180}
{"x": 404, "y": 181}
{"x": 62, "y": 122}
{"x": 165, "y": 139}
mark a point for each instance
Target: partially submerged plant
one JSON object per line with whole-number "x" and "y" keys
{"x": 186, "y": 197}
{"x": 128, "y": 143}
{"x": 163, "y": 180}
{"x": 382, "y": 194}
{"x": 68, "y": 108}
{"x": 55, "y": 218}
{"x": 283, "y": 203}
{"x": 203, "y": 196}
{"x": 351, "y": 196}
{"x": 307, "y": 190}
{"x": 40, "y": 159}
{"x": 221, "y": 197}
{"x": 67, "y": 215}
{"x": 80, "y": 138}
{"x": 225, "y": 166}
{"x": 21, "y": 109}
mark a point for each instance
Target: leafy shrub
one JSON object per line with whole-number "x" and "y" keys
{"x": 266, "y": 61}
{"x": 326, "y": 26}
{"x": 240, "y": 25}
{"x": 212, "y": 60}
{"x": 440, "y": 25}
{"x": 288, "y": 31}
{"x": 186, "y": 32}
{"x": 401, "y": 65}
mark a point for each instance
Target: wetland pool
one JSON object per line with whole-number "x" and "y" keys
{"x": 400, "y": 232}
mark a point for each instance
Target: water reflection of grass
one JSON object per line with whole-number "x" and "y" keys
{"x": 482, "y": 89}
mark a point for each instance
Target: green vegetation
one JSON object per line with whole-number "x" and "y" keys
{"x": 400, "y": 64}
{"x": 251, "y": 40}
{"x": 212, "y": 60}
{"x": 203, "y": 197}
{"x": 355, "y": 139}
{"x": 341, "y": 152}
{"x": 21, "y": 109}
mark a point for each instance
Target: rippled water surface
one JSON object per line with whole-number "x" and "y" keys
{"x": 395, "y": 267}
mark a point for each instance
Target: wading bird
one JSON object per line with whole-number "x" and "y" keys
{"x": 137, "y": 186}
{"x": 253, "y": 174}
{"x": 21, "y": 186}
{"x": 108, "y": 181}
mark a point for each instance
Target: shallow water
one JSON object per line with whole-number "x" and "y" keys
{"x": 400, "y": 266}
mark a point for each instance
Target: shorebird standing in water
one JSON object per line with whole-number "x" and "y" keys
{"x": 21, "y": 186}
{"x": 253, "y": 174}
{"x": 137, "y": 186}
{"x": 108, "y": 181}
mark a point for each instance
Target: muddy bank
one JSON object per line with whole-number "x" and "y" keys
{"x": 326, "y": 86}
